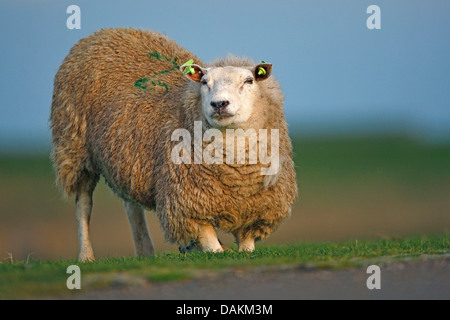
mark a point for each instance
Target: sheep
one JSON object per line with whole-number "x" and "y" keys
{"x": 118, "y": 97}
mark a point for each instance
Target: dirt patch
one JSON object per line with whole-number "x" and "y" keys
{"x": 420, "y": 278}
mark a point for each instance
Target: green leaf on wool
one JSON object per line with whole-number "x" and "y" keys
{"x": 141, "y": 83}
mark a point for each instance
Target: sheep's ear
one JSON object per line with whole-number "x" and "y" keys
{"x": 262, "y": 71}
{"x": 194, "y": 72}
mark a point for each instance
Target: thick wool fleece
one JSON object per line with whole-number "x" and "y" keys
{"x": 117, "y": 99}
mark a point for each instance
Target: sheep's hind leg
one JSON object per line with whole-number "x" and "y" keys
{"x": 83, "y": 202}
{"x": 143, "y": 244}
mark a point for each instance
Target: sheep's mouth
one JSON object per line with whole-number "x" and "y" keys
{"x": 222, "y": 114}
{"x": 222, "y": 119}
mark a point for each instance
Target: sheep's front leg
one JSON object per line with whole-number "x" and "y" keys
{"x": 143, "y": 244}
{"x": 245, "y": 243}
{"x": 206, "y": 241}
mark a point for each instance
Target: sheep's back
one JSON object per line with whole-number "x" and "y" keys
{"x": 125, "y": 87}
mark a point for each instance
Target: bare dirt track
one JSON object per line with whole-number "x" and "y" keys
{"x": 409, "y": 279}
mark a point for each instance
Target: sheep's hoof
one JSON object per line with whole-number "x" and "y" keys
{"x": 86, "y": 259}
{"x": 194, "y": 246}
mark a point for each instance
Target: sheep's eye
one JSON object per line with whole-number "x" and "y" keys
{"x": 248, "y": 81}
{"x": 204, "y": 81}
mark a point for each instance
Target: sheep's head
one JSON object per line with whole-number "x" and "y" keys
{"x": 228, "y": 93}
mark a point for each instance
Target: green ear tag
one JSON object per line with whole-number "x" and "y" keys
{"x": 188, "y": 68}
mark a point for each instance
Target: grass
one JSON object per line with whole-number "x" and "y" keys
{"x": 22, "y": 279}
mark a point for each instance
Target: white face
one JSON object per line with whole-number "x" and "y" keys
{"x": 228, "y": 95}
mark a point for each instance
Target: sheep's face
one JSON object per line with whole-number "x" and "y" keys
{"x": 229, "y": 93}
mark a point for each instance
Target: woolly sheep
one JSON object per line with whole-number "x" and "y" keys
{"x": 119, "y": 96}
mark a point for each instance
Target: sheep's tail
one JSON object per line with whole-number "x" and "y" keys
{"x": 70, "y": 153}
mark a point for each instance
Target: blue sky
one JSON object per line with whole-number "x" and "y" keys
{"x": 337, "y": 74}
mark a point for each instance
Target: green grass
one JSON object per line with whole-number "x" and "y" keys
{"x": 44, "y": 278}
{"x": 404, "y": 160}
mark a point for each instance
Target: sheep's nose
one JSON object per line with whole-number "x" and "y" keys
{"x": 219, "y": 105}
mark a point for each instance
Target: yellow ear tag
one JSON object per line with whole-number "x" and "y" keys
{"x": 261, "y": 70}
{"x": 188, "y": 68}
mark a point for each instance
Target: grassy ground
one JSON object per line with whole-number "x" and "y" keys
{"x": 350, "y": 188}
{"x": 21, "y": 279}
